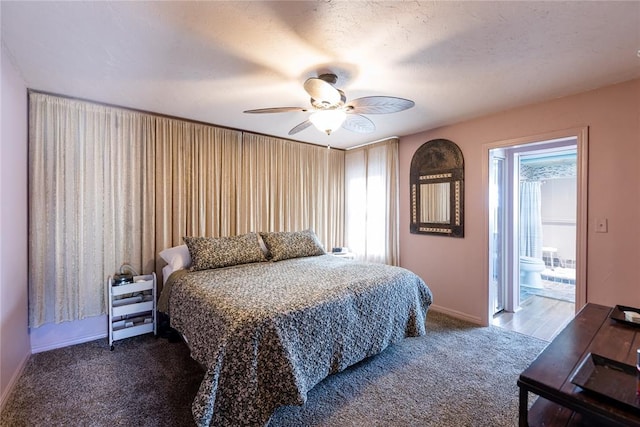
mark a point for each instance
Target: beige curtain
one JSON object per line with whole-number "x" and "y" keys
{"x": 371, "y": 182}
{"x": 90, "y": 169}
{"x": 288, "y": 186}
{"x": 220, "y": 182}
{"x": 110, "y": 186}
{"x": 196, "y": 181}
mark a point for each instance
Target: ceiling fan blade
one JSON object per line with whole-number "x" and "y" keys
{"x": 276, "y": 110}
{"x": 379, "y": 105}
{"x": 359, "y": 124}
{"x": 322, "y": 91}
{"x": 302, "y": 126}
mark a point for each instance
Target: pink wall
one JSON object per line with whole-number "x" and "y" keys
{"x": 14, "y": 336}
{"x": 453, "y": 268}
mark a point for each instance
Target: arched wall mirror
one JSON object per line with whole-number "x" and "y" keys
{"x": 437, "y": 189}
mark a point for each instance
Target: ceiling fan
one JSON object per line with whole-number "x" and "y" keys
{"x": 330, "y": 109}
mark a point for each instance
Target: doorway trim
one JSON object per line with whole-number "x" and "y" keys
{"x": 582, "y": 144}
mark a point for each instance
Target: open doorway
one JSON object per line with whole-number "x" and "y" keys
{"x": 534, "y": 217}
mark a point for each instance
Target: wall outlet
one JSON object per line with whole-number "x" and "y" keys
{"x": 601, "y": 225}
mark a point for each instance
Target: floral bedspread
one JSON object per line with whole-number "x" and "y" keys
{"x": 268, "y": 332}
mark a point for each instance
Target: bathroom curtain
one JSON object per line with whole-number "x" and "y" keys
{"x": 530, "y": 219}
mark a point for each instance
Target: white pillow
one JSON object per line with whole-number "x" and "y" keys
{"x": 177, "y": 257}
{"x": 166, "y": 272}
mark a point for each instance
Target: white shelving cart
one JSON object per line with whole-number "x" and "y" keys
{"x": 132, "y": 308}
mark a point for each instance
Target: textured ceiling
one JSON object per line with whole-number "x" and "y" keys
{"x": 209, "y": 61}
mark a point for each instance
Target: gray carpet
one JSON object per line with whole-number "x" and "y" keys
{"x": 456, "y": 375}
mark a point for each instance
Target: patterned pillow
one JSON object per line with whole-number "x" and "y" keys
{"x": 215, "y": 252}
{"x": 292, "y": 244}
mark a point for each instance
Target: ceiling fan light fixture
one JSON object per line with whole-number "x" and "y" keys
{"x": 330, "y": 110}
{"x": 328, "y": 120}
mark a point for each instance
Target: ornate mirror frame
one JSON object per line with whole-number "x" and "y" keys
{"x": 437, "y": 189}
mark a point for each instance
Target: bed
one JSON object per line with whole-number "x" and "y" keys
{"x": 267, "y": 331}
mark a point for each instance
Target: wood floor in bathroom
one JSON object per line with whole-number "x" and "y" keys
{"x": 538, "y": 317}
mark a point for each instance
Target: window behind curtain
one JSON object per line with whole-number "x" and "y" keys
{"x": 371, "y": 202}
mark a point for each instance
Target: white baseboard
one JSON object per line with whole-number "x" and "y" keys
{"x": 457, "y": 314}
{"x": 57, "y": 335}
{"x": 12, "y": 382}
{"x": 67, "y": 343}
